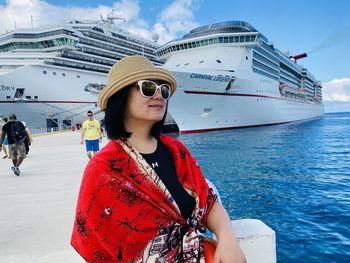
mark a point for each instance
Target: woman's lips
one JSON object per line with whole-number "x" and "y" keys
{"x": 157, "y": 106}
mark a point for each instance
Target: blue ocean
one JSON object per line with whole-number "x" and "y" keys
{"x": 294, "y": 177}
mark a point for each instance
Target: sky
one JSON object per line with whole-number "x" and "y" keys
{"x": 320, "y": 28}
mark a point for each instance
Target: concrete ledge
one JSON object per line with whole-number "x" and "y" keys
{"x": 256, "y": 239}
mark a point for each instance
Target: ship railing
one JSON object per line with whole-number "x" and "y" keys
{"x": 48, "y": 130}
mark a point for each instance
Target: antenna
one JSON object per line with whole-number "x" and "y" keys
{"x": 15, "y": 24}
{"x": 111, "y": 17}
{"x": 32, "y": 21}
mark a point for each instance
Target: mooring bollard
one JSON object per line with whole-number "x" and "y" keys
{"x": 256, "y": 239}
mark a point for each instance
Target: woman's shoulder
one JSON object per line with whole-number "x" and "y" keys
{"x": 172, "y": 142}
{"x": 105, "y": 158}
{"x": 109, "y": 151}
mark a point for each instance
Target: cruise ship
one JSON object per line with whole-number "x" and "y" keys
{"x": 51, "y": 76}
{"x": 231, "y": 76}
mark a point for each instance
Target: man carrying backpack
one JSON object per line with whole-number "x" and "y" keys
{"x": 16, "y": 134}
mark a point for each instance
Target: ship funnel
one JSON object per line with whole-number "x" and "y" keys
{"x": 303, "y": 55}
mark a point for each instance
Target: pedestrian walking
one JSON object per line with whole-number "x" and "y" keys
{"x": 16, "y": 134}
{"x": 91, "y": 132}
{"x": 5, "y": 143}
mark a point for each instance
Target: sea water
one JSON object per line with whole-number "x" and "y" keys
{"x": 294, "y": 177}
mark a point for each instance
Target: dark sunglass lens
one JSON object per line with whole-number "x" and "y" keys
{"x": 165, "y": 91}
{"x": 148, "y": 89}
{"x": 89, "y": 115}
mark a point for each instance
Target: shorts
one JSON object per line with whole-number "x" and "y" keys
{"x": 5, "y": 142}
{"x": 92, "y": 145}
{"x": 17, "y": 150}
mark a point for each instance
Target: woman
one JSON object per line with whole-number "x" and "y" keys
{"x": 143, "y": 197}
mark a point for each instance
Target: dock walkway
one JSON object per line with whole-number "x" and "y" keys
{"x": 37, "y": 207}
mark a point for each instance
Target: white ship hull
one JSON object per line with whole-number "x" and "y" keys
{"x": 57, "y": 96}
{"x": 201, "y": 105}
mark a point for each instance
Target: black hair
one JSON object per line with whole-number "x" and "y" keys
{"x": 5, "y": 119}
{"x": 89, "y": 112}
{"x": 114, "y": 116}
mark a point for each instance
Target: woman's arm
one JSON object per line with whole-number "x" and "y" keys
{"x": 227, "y": 250}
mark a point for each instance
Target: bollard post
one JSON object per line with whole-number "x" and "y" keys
{"x": 256, "y": 239}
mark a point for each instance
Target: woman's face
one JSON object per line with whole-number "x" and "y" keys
{"x": 140, "y": 108}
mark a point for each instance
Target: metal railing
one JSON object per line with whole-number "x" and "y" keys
{"x": 47, "y": 130}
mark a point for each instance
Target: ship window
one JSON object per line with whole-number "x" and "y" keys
{"x": 28, "y": 97}
{"x": 63, "y": 74}
{"x": 44, "y": 72}
{"x": 187, "y": 64}
{"x": 36, "y": 97}
{"x": 78, "y": 76}
{"x": 208, "y": 110}
{"x": 8, "y": 97}
{"x": 218, "y": 61}
{"x": 246, "y": 57}
{"x": 97, "y": 29}
{"x": 54, "y": 73}
{"x": 19, "y": 93}
{"x": 178, "y": 65}
{"x": 200, "y": 62}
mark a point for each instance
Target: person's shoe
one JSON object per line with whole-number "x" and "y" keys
{"x": 15, "y": 170}
{"x": 18, "y": 171}
{"x": 4, "y": 157}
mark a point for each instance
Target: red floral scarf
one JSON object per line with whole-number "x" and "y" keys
{"x": 126, "y": 214}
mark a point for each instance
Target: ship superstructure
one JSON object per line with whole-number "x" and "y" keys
{"x": 231, "y": 76}
{"x": 51, "y": 76}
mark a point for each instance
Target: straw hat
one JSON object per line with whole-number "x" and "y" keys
{"x": 128, "y": 71}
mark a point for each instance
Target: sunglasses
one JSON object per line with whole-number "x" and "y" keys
{"x": 148, "y": 89}
{"x": 89, "y": 115}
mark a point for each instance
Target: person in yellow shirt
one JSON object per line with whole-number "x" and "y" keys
{"x": 91, "y": 131}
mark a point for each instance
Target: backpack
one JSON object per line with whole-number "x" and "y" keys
{"x": 18, "y": 133}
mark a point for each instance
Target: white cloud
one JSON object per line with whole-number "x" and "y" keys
{"x": 175, "y": 19}
{"x": 19, "y": 12}
{"x": 337, "y": 90}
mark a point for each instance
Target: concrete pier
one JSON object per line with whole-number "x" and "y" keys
{"x": 37, "y": 207}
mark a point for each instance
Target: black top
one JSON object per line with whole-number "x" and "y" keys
{"x": 162, "y": 163}
{"x": 8, "y": 127}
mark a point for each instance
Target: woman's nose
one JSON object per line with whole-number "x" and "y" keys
{"x": 158, "y": 94}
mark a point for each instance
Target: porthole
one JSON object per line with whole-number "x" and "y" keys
{"x": 218, "y": 61}
{"x": 44, "y": 72}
